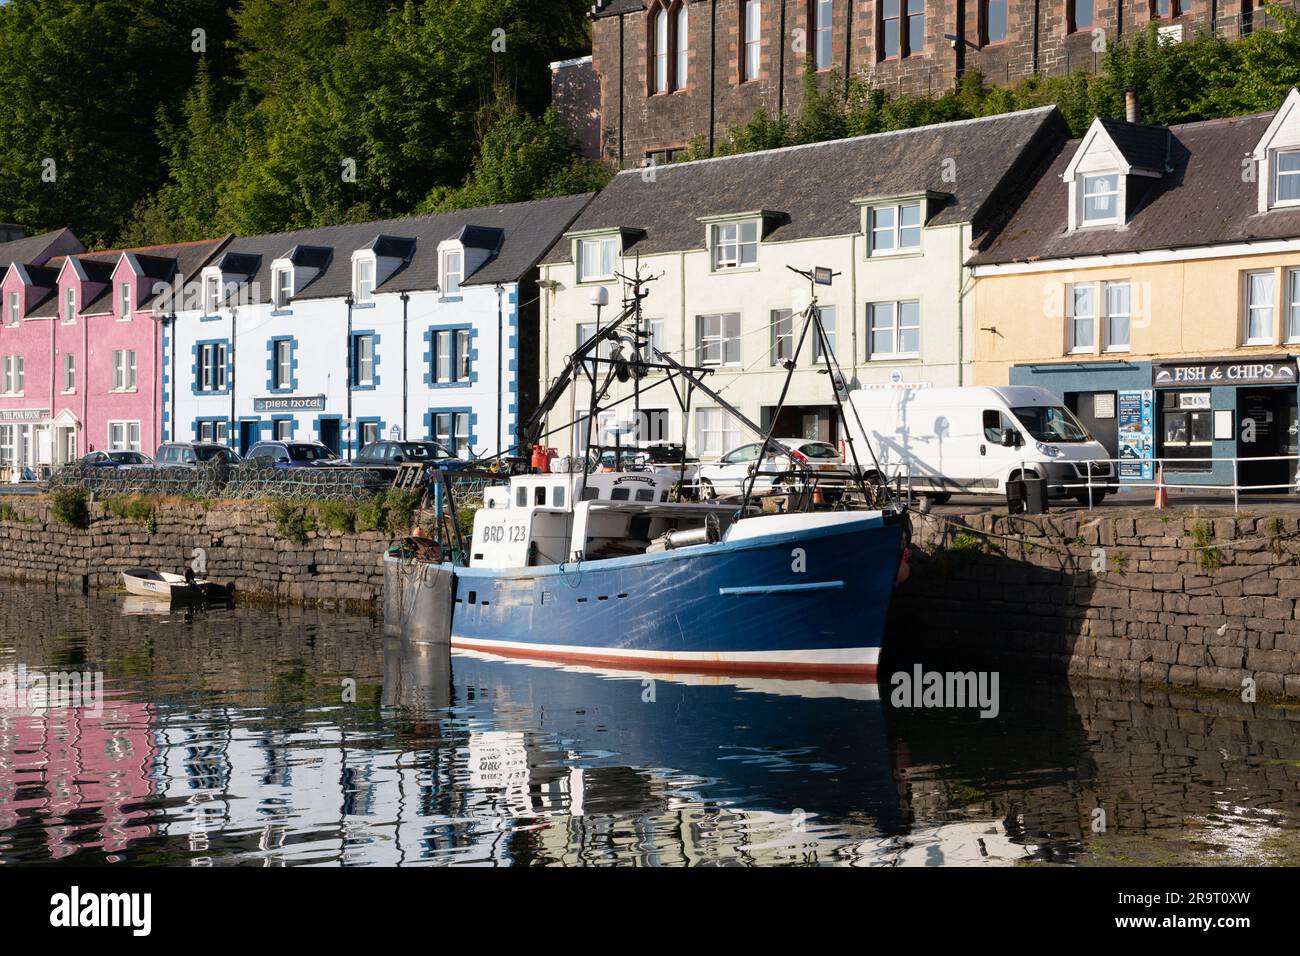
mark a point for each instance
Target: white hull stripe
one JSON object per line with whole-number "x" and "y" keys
{"x": 836, "y": 657}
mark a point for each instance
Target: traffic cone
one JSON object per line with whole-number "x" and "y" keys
{"x": 818, "y": 497}
{"x": 1162, "y": 495}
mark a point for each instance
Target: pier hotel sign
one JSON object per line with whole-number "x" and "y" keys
{"x": 289, "y": 403}
{"x": 1265, "y": 370}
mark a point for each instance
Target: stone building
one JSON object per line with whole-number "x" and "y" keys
{"x": 672, "y": 70}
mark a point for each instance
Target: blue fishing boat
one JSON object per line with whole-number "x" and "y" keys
{"x": 620, "y": 568}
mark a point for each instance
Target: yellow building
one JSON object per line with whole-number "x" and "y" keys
{"x": 1151, "y": 277}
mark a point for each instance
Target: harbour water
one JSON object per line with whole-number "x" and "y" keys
{"x": 272, "y": 737}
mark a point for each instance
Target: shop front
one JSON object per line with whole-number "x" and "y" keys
{"x": 1213, "y": 410}
{"x": 26, "y": 443}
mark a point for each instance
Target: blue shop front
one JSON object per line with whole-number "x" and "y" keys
{"x": 1193, "y": 415}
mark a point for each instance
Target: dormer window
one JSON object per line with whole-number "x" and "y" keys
{"x": 735, "y": 245}
{"x": 211, "y": 294}
{"x": 1287, "y": 184}
{"x": 15, "y": 308}
{"x": 1100, "y": 199}
{"x": 69, "y": 305}
{"x": 596, "y": 258}
{"x": 282, "y": 288}
{"x": 363, "y": 281}
{"x": 124, "y": 301}
{"x": 895, "y": 228}
{"x": 452, "y": 270}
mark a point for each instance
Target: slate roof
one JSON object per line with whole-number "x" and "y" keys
{"x": 527, "y": 230}
{"x": 815, "y": 186}
{"x": 162, "y": 264}
{"x": 34, "y": 250}
{"x": 611, "y": 8}
{"x": 1203, "y": 201}
{"x": 1144, "y": 145}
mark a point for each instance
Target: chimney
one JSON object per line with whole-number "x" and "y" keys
{"x": 1130, "y": 106}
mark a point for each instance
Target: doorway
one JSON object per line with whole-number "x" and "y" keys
{"x": 248, "y": 432}
{"x": 1266, "y": 428}
{"x": 1096, "y": 412}
{"x": 330, "y": 434}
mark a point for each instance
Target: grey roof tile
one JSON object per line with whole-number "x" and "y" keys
{"x": 813, "y": 187}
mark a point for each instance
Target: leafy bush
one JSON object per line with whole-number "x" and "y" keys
{"x": 291, "y": 521}
{"x": 372, "y": 515}
{"x": 69, "y": 507}
{"x": 138, "y": 508}
{"x": 7, "y": 512}
{"x": 339, "y": 516}
{"x": 400, "y": 506}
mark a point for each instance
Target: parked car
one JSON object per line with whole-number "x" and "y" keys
{"x": 116, "y": 459}
{"x": 293, "y": 454}
{"x": 975, "y": 439}
{"x": 727, "y": 475}
{"x": 192, "y": 453}
{"x": 389, "y": 454}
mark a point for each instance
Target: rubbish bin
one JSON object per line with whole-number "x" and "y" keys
{"x": 1027, "y": 496}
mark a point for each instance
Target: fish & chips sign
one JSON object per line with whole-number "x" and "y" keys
{"x": 1279, "y": 371}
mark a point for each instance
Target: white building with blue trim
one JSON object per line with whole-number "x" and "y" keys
{"x": 423, "y": 327}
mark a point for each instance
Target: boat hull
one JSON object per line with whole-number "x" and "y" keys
{"x": 807, "y": 600}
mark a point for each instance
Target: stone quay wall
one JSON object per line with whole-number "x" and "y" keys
{"x": 240, "y": 540}
{"x": 1206, "y": 601}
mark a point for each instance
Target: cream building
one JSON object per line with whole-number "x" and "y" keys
{"x": 1151, "y": 278}
{"x": 894, "y": 215}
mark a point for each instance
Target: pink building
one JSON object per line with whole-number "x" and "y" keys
{"x": 80, "y": 348}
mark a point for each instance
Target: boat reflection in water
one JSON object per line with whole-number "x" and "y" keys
{"x": 622, "y": 765}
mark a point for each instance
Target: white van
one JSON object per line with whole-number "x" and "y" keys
{"x": 974, "y": 440}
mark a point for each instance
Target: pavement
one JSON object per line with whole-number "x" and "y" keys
{"x": 1129, "y": 499}
{"x": 27, "y": 488}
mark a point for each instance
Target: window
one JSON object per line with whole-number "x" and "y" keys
{"x": 585, "y": 331}
{"x": 363, "y": 360}
{"x": 212, "y": 367}
{"x": 661, "y": 51}
{"x": 363, "y": 281}
{"x": 1187, "y": 430}
{"x": 451, "y": 356}
{"x": 211, "y": 294}
{"x": 993, "y": 16}
{"x": 124, "y": 301}
{"x": 1287, "y": 185}
{"x": 596, "y": 258}
{"x": 994, "y": 422}
{"x": 735, "y": 245}
{"x": 451, "y": 430}
{"x": 124, "y": 370}
{"x": 782, "y": 336}
{"x": 213, "y": 431}
{"x": 1293, "y": 305}
{"x": 893, "y": 329}
{"x": 1080, "y": 14}
{"x": 453, "y": 270}
{"x": 901, "y": 28}
{"x": 13, "y": 375}
{"x": 1166, "y": 9}
{"x": 1101, "y": 198}
{"x": 1259, "y": 308}
{"x": 369, "y": 432}
{"x": 123, "y": 436}
{"x": 718, "y": 338}
{"x": 1118, "y": 313}
{"x": 283, "y": 376}
{"x": 657, "y": 340}
{"x": 715, "y": 432}
{"x": 282, "y": 283}
{"x": 828, "y": 325}
{"x": 683, "y": 35}
{"x": 1082, "y": 316}
{"x": 15, "y": 307}
{"x": 69, "y": 305}
{"x": 69, "y": 372}
{"x": 283, "y": 429}
{"x": 896, "y": 228}
{"x": 821, "y": 32}
{"x": 749, "y": 29}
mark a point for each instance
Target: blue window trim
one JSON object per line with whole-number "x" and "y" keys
{"x": 430, "y": 356}
{"x": 293, "y": 365}
{"x": 210, "y": 419}
{"x": 268, "y": 427}
{"x": 511, "y": 317}
{"x": 374, "y": 350}
{"x": 166, "y": 386}
{"x": 196, "y": 379}
{"x": 356, "y": 443}
{"x": 462, "y": 410}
